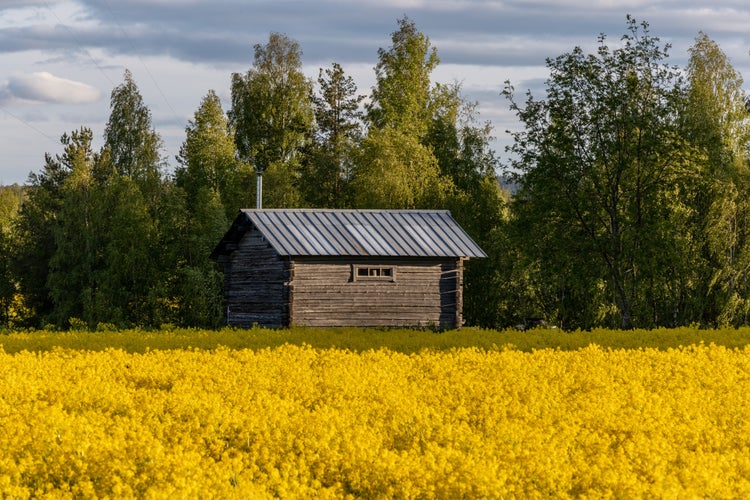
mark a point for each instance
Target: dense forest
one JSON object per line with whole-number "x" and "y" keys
{"x": 632, "y": 207}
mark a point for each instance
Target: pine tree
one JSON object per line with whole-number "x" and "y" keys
{"x": 329, "y": 158}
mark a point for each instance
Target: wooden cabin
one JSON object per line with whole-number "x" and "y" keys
{"x": 344, "y": 268}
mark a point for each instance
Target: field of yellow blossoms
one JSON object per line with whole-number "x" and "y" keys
{"x": 296, "y": 421}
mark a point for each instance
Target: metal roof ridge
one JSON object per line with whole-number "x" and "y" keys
{"x": 371, "y": 210}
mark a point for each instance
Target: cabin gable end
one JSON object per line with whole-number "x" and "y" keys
{"x": 256, "y": 283}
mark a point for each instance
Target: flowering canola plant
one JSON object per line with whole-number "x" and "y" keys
{"x": 298, "y": 422}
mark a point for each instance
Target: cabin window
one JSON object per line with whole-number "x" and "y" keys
{"x": 364, "y": 273}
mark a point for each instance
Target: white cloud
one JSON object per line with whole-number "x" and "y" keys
{"x": 45, "y": 87}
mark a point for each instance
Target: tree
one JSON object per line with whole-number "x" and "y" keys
{"x": 395, "y": 168}
{"x": 459, "y": 141}
{"x": 200, "y": 283}
{"x": 136, "y": 229}
{"x": 130, "y": 248}
{"x": 105, "y": 265}
{"x": 716, "y": 116}
{"x": 396, "y": 171}
{"x": 33, "y": 236}
{"x": 77, "y": 258}
{"x": 207, "y": 158}
{"x": 461, "y": 145}
{"x": 271, "y": 115}
{"x": 401, "y": 96}
{"x": 716, "y": 121}
{"x": 213, "y": 179}
{"x": 604, "y": 171}
{"x": 133, "y": 144}
{"x": 7, "y": 286}
{"x": 10, "y": 200}
{"x": 328, "y": 164}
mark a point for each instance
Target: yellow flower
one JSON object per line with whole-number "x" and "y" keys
{"x": 297, "y": 421}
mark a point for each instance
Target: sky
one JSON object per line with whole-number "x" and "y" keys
{"x": 60, "y": 59}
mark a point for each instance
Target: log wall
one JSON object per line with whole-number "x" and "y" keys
{"x": 256, "y": 284}
{"x": 328, "y": 292}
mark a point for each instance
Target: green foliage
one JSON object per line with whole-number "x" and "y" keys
{"x": 361, "y": 339}
{"x": 77, "y": 257}
{"x": 329, "y": 160}
{"x": 200, "y": 283}
{"x": 717, "y": 122}
{"x": 132, "y": 144}
{"x": 11, "y": 198}
{"x": 271, "y": 115}
{"x": 461, "y": 146}
{"x": 603, "y": 169}
{"x": 202, "y": 303}
{"x": 490, "y": 291}
{"x": 395, "y": 167}
{"x": 395, "y": 170}
{"x": 401, "y": 96}
{"x": 98, "y": 240}
{"x": 33, "y": 236}
{"x": 7, "y": 285}
{"x": 716, "y": 115}
{"x": 207, "y": 157}
{"x": 124, "y": 285}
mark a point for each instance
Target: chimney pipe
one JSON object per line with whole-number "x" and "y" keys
{"x": 259, "y": 192}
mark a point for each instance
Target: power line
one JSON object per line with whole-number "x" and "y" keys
{"x": 132, "y": 46}
{"x": 78, "y": 42}
{"x": 38, "y": 131}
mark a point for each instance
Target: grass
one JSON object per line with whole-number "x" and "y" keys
{"x": 363, "y": 339}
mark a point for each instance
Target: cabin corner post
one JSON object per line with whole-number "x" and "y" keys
{"x": 459, "y": 292}
{"x": 290, "y": 292}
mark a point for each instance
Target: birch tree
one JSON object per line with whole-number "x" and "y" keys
{"x": 717, "y": 123}
{"x": 396, "y": 169}
{"x": 272, "y": 115}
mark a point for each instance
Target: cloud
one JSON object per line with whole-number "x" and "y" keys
{"x": 45, "y": 87}
{"x": 178, "y": 49}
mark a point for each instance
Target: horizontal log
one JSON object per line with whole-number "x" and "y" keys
{"x": 370, "y": 322}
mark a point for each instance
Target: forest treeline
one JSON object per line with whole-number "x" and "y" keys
{"x": 632, "y": 208}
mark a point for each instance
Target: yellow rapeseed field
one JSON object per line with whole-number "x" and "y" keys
{"x": 301, "y": 422}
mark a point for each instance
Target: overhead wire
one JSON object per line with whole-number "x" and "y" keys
{"x": 78, "y": 42}
{"x": 32, "y": 127}
{"x": 145, "y": 67}
{"x": 96, "y": 64}
{"x": 80, "y": 45}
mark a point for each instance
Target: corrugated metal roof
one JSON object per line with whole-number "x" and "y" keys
{"x": 383, "y": 233}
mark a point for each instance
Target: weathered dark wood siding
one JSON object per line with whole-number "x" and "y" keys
{"x": 326, "y": 292}
{"x": 256, "y": 284}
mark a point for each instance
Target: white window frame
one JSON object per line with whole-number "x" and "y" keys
{"x": 373, "y": 272}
